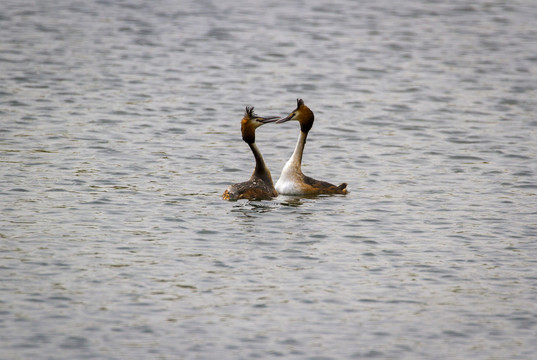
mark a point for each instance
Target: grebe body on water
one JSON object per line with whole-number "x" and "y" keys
{"x": 292, "y": 181}
{"x": 260, "y": 185}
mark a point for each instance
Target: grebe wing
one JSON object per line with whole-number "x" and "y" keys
{"x": 253, "y": 189}
{"x": 325, "y": 187}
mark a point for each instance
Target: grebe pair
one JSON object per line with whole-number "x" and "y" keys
{"x": 292, "y": 181}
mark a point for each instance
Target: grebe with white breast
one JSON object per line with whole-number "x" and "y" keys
{"x": 260, "y": 185}
{"x": 292, "y": 181}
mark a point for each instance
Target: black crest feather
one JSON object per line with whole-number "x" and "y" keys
{"x": 250, "y": 112}
{"x": 299, "y": 102}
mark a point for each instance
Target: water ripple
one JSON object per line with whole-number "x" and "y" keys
{"x": 121, "y": 130}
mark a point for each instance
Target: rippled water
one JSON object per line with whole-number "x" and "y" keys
{"x": 120, "y": 131}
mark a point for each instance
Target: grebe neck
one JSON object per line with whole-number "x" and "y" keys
{"x": 296, "y": 158}
{"x": 261, "y": 170}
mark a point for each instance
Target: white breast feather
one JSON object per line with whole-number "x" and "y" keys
{"x": 288, "y": 184}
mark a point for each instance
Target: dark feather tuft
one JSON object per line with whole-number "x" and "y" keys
{"x": 250, "y": 112}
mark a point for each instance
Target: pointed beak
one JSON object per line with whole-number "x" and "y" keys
{"x": 266, "y": 120}
{"x": 287, "y": 118}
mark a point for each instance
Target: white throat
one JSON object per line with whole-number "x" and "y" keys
{"x": 291, "y": 176}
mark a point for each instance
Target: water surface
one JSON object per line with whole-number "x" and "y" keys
{"x": 120, "y": 130}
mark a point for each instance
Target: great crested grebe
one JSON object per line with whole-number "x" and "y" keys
{"x": 260, "y": 185}
{"x": 292, "y": 181}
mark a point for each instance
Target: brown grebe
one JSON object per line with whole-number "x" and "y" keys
{"x": 260, "y": 185}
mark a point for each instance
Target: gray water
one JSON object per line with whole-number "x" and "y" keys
{"x": 120, "y": 129}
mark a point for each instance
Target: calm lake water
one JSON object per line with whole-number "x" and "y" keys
{"x": 120, "y": 129}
